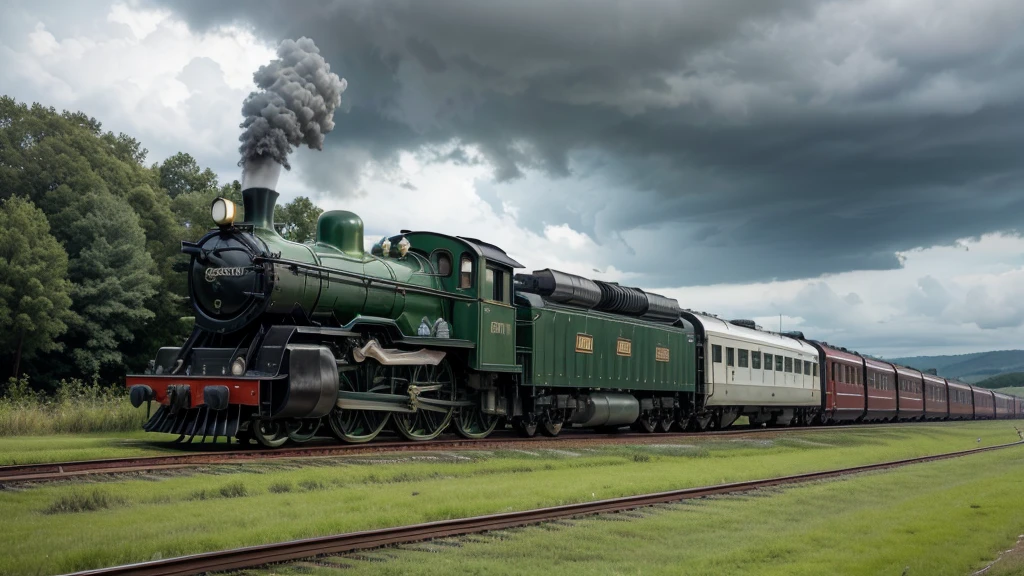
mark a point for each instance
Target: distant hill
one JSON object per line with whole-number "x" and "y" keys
{"x": 969, "y": 367}
{"x": 1016, "y": 391}
{"x": 1009, "y": 380}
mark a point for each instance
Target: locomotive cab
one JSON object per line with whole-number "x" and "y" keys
{"x": 480, "y": 274}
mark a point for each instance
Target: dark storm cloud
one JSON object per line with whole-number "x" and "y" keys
{"x": 756, "y": 140}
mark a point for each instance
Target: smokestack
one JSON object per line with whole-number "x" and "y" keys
{"x": 259, "y": 192}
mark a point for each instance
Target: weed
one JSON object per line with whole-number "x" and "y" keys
{"x": 280, "y": 487}
{"x": 82, "y": 502}
{"x": 75, "y": 407}
{"x": 641, "y": 458}
{"x": 234, "y": 490}
{"x": 310, "y": 485}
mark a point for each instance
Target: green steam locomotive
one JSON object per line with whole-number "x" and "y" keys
{"x": 426, "y": 331}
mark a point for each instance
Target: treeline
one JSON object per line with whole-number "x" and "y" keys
{"x": 89, "y": 235}
{"x": 1010, "y": 380}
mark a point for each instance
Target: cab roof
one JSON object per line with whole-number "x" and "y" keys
{"x": 492, "y": 252}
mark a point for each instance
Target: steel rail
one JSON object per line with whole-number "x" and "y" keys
{"x": 48, "y": 472}
{"x": 252, "y": 556}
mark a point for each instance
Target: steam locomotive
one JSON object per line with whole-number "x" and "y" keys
{"x": 428, "y": 332}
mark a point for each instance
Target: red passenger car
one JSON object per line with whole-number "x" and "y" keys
{"x": 961, "y": 401}
{"x": 909, "y": 393}
{"x": 1004, "y": 405}
{"x": 880, "y": 378}
{"x": 842, "y": 383}
{"x": 984, "y": 404}
{"x": 936, "y": 405}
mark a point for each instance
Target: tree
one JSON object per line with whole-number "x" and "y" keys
{"x": 113, "y": 282}
{"x": 63, "y": 163}
{"x": 180, "y": 174}
{"x": 35, "y": 295}
{"x": 296, "y": 220}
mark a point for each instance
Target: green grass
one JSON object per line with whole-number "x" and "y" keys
{"x": 72, "y": 447}
{"x": 1015, "y": 390}
{"x": 76, "y": 407}
{"x": 230, "y": 506}
{"x": 950, "y": 517}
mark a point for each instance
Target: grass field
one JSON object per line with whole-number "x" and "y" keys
{"x": 76, "y": 526}
{"x": 951, "y": 517}
{"x": 75, "y": 407}
{"x": 1016, "y": 390}
{"x": 71, "y": 447}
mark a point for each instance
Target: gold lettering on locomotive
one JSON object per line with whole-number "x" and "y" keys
{"x": 661, "y": 354}
{"x": 214, "y": 273}
{"x": 624, "y": 347}
{"x": 502, "y": 328}
{"x": 585, "y": 343}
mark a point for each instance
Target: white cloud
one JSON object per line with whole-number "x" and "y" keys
{"x": 142, "y": 72}
{"x": 946, "y": 299}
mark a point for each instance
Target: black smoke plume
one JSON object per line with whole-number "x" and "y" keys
{"x": 294, "y": 106}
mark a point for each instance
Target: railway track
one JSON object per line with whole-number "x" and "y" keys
{"x": 64, "y": 470}
{"x": 253, "y": 556}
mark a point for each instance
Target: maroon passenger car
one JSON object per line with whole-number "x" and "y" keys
{"x": 1004, "y": 405}
{"x": 961, "y": 401}
{"x": 880, "y": 378}
{"x": 909, "y": 393}
{"x": 984, "y": 404}
{"x": 936, "y": 405}
{"x": 842, "y": 384}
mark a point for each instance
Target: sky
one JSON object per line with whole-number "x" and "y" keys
{"x": 849, "y": 168}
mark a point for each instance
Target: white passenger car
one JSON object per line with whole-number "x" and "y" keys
{"x": 768, "y": 377}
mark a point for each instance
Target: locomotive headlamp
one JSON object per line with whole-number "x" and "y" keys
{"x": 223, "y": 211}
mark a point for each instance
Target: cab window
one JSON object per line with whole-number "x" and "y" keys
{"x": 494, "y": 284}
{"x": 443, "y": 263}
{"x": 466, "y": 272}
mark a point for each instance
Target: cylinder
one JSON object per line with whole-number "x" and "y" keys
{"x": 312, "y": 383}
{"x": 560, "y": 287}
{"x": 621, "y": 299}
{"x": 661, "y": 309}
{"x": 606, "y": 409}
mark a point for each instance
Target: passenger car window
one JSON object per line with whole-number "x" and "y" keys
{"x": 807, "y": 368}
{"x": 466, "y": 272}
{"x": 743, "y": 358}
{"x": 755, "y": 359}
{"x": 798, "y": 365}
{"x": 778, "y": 363}
{"x": 716, "y": 353}
{"x": 730, "y": 358}
{"x": 789, "y": 364}
{"x": 767, "y": 361}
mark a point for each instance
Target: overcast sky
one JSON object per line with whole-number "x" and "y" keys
{"x": 851, "y": 165}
